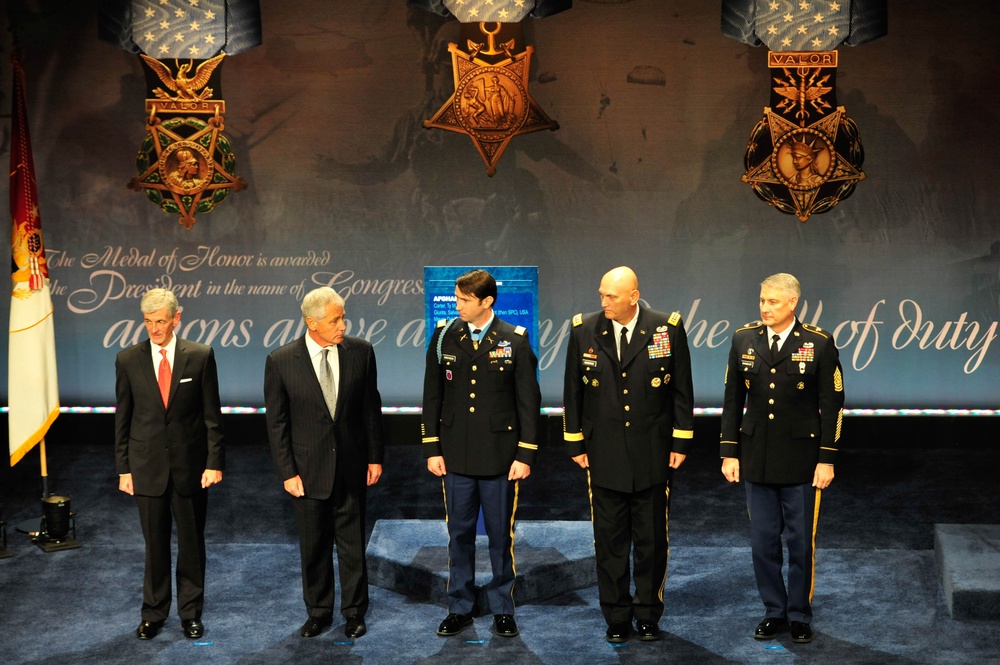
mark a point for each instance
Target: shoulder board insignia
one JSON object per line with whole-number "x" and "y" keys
{"x": 674, "y": 319}
{"x": 815, "y": 329}
{"x": 440, "y": 324}
{"x": 577, "y": 320}
{"x": 751, "y": 325}
{"x": 520, "y": 330}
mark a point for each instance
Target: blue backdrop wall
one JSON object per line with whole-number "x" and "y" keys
{"x": 347, "y": 189}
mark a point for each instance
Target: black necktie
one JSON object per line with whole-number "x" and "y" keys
{"x": 774, "y": 346}
{"x": 623, "y": 343}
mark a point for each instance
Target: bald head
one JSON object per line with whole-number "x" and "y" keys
{"x": 619, "y": 294}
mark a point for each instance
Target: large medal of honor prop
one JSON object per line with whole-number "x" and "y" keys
{"x": 805, "y": 155}
{"x": 186, "y": 165}
{"x": 491, "y": 103}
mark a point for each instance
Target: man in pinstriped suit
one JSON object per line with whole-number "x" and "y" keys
{"x": 327, "y": 445}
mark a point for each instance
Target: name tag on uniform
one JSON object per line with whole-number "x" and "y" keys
{"x": 448, "y": 357}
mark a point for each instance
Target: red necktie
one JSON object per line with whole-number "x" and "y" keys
{"x": 164, "y": 377}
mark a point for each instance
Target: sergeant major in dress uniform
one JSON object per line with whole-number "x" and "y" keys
{"x": 629, "y": 421}
{"x": 480, "y": 435}
{"x": 788, "y": 376}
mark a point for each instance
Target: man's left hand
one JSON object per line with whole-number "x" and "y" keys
{"x": 519, "y": 471}
{"x": 374, "y": 473}
{"x": 210, "y": 477}
{"x": 676, "y": 459}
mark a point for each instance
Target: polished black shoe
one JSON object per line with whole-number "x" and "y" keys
{"x": 193, "y": 628}
{"x": 505, "y": 626}
{"x": 647, "y": 631}
{"x": 769, "y": 628}
{"x": 801, "y": 632}
{"x": 314, "y": 626}
{"x": 618, "y": 632}
{"x": 454, "y": 624}
{"x": 355, "y": 627}
{"x": 147, "y": 630}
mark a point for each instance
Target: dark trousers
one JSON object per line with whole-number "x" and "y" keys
{"x": 463, "y": 498}
{"x": 321, "y": 523}
{"x": 631, "y": 523}
{"x": 157, "y": 514}
{"x": 794, "y": 511}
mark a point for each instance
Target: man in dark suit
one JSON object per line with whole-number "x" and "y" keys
{"x": 788, "y": 376}
{"x": 324, "y": 422}
{"x": 168, "y": 451}
{"x": 629, "y": 418}
{"x": 480, "y": 435}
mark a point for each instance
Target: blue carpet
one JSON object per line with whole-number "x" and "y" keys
{"x": 879, "y": 596}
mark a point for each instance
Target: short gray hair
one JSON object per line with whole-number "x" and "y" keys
{"x": 156, "y": 299}
{"x": 785, "y": 282}
{"x": 315, "y": 302}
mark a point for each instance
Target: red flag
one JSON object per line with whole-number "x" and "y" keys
{"x": 32, "y": 383}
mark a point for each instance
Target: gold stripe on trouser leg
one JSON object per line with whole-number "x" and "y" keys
{"x": 513, "y": 561}
{"x": 812, "y": 581}
{"x": 590, "y": 500}
{"x": 444, "y": 495}
{"x": 667, "y": 535}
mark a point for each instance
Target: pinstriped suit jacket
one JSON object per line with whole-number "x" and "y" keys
{"x": 305, "y": 440}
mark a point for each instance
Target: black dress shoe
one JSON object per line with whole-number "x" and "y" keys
{"x": 618, "y": 632}
{"x": 505, "y": 626}
{"x": 147, "y": 630}
{"x": 193, "y": 628}
{"x": 355, "y": 627}
{"x": 769, "y": 628}
{"x": 314, "y": 626}
{"x": 801, "y": 632}
{"x": 454, "y": 624}
{"x": 647, "y": 631}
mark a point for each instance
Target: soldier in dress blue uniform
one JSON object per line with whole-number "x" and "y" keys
{"x": 788, "y": 376}
{"x": 629, "y": 421}
{"x": 480, "y": 435}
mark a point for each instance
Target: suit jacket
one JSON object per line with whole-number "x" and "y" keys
{"x": 481, "y": 407}
{"x": 156, "y": 443}
{"x": 305, "y": 439}
{"x": 628, "y": 415}
{"x": 794, "y": 404}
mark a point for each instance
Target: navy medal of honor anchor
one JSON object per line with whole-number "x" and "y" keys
{"x": 186, "y": 164}
{"x": 491, "y": 103}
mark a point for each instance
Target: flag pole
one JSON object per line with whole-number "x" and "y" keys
{"x": 45, "y": 469}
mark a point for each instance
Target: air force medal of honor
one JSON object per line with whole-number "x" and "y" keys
{"x": 491, "y": 103}
{"x": 805, "y": 154}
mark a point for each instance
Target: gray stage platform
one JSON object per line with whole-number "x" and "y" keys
{"x": 968, "y": 557}
{"x": 410, "y": 557}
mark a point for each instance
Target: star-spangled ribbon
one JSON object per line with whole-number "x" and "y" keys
{"x": 188, "y": 29}
{"x": 179, "y": 28}
{"x": 804, "y": 25}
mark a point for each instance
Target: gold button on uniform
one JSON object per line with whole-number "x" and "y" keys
{"x": 473, "y": 368}
{"x": 770, "y": 416}
{"x": 770, "y": 401}
{"x": 774, "y": 371}
{"x": 772, "y": 386}
{"x": 625, "y": 392}
{"x": 472, "y": 409}
{"x": 472, "y": 395}
{"x": 628, "y": 408}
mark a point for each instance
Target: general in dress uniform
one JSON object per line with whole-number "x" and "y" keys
{"x": 629, "y": 420}
{"x": 787, "y": 375}
{"x": 480, "y": 435}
